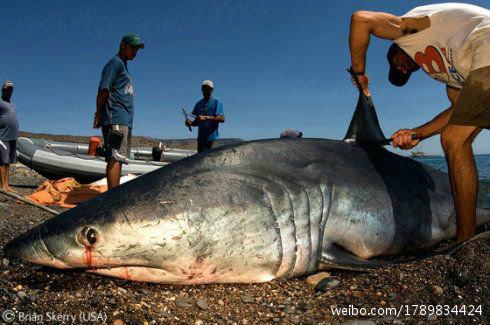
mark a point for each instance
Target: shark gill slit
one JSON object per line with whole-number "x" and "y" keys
{"x": 326, "y": 214}
{"x": 308, "y": 217}
{"x": 316, "y": 217}
{"x": 274, "y": 184}
{"x": 325, "y": 210}
{"x": 299, "y": 199}
{"x": 296, "y": 213}
{"x": 276, "y": 223}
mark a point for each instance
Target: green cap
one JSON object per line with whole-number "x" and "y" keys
{"x": 133, "y": 40}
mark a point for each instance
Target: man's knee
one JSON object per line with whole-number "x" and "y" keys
{"x": 450, "y": 141}
{"x": 456, "y": 137}
{"x": 113, "y": 163}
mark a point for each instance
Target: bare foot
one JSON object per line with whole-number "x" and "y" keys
{"x": 9, "y": 189}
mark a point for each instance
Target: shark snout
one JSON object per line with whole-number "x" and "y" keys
{"x": 30, "y": 247}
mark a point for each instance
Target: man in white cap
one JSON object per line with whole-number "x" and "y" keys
{"x": 209, "y": 113}
{"x": 9, "y": 131}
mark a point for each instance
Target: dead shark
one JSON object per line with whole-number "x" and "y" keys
{"x": 256, "y": 211}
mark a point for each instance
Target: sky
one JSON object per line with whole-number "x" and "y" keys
{"x": 276, "y": 64}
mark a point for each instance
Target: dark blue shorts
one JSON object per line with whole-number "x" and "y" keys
{"x": 8, "y": 152}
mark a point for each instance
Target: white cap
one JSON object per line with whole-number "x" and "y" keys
{"x": 208, "y": 83}
{"x": 8, "y": 84}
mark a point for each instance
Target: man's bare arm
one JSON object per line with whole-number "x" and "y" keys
{"x": 403, "y": 138}
{"x": 365, "y": 23}
{"x": 214, "y": 118}
{"x": 434, "y": 126}
{"x": 438, "y": 123}
{"x": 101, "y": 100}
{"x": 102, "y": 96}
{"x": 217, "y": 118}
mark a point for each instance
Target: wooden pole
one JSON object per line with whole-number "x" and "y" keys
{"x": 23, "y": 199}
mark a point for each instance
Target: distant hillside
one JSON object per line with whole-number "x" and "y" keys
{"x": 137, "y": 141}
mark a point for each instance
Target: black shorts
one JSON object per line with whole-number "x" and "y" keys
{"x": 8, "y": 152}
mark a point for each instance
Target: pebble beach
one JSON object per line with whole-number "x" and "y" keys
{"x": 49, "y": 295}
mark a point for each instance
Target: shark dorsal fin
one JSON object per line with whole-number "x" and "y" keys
{"x": 364, "y": 126}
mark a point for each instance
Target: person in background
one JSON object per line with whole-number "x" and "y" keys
{"x": 9, "y": 131}
{"x": 208, "y": 114}
{"x": 115, "y": 108}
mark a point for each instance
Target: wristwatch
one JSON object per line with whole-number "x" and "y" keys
{"x": 360, "y": 73}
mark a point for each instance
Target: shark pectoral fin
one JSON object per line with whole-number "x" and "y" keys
{"x": 336, "y": 257}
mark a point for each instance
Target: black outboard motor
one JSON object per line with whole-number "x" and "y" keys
{"x": 156, "y": 152}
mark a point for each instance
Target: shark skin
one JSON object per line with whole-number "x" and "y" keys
{"x": 253, "y": 212}
{"x": 256, "y": 211}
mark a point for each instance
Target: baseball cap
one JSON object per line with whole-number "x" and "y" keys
{"x": 133, "y": 40}
{"x": 395, "y": 76}
{"x": 8, "y": 84}
{"x": 208, "y": 83}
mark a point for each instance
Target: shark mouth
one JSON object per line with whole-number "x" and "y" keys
{"x": 155, "y": 275}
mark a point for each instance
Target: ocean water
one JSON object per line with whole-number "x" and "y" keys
{"x": 482, "y": 165}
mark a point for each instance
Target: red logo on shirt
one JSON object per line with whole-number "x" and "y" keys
{"x": 438, "y": 63}
{"x": 432, "y": 61}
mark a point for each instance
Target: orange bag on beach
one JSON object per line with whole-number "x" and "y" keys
{"x": 66, "y": 192}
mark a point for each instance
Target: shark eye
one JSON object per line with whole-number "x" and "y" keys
{"x": 88, "y": 236}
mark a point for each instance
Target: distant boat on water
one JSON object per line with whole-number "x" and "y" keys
{"x": 421, "y": 154}
{"x": 417, "y": 154}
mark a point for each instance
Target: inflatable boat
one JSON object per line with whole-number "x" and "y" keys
{"x": 48, "y": 159}
{"x": 138, "y": 153}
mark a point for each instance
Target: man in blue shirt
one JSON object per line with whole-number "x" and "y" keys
{"x": 209, "y": 113}
{"x": 115, "y": 108}
{"x": 9, "y": 131}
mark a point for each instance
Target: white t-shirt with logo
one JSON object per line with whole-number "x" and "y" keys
{"x": 457, "y": 41}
